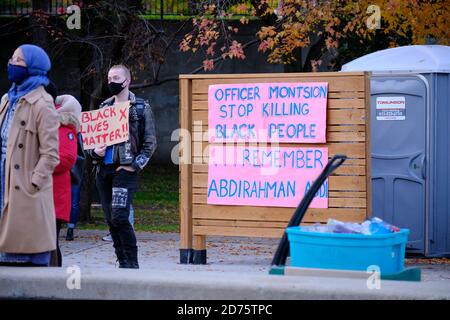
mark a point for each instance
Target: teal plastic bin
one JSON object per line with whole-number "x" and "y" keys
{"x": 347, "y": 251}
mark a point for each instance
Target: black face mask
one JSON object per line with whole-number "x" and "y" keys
{"x": 116, "y": 87}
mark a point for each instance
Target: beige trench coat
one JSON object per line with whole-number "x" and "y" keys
{"x": 27, "y": 224}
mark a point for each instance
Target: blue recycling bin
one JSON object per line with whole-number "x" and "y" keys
{"x": 309, "y": 249}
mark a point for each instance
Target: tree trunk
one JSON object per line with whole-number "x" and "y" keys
{"x": 88, "y": 185}
{"x": 87, "y": 191}
{"x": 91, "y": 96}
{"x": 297, "y": 65}
{"x": 315, "y": 52}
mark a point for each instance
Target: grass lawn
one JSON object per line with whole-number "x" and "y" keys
{"x": 155, "y": 204}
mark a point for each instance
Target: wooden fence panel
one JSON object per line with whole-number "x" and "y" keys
{"x": 348, "y": 132}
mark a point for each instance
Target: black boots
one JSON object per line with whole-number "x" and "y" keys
{"x": 127, "y": 265}
{"x": 132, "y": 255}
{"x": 121, "y": 258}
{"x": 69, "y": 235}
{"x": 124, "y": 242}
{"x": 128, "y": 261}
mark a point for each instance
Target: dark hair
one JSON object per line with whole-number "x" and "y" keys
{"x": 52, "y": 90}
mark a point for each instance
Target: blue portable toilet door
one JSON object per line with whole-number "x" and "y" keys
{"x": 398, "y": 142}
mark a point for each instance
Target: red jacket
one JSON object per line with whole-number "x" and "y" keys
{"x": 61, "y": 175}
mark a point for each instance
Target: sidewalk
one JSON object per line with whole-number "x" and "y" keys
{"x": 237, "y": 269}
{"x": 160, "y": 251}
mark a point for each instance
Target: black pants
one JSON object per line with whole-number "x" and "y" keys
{"x": 116, "y": 190}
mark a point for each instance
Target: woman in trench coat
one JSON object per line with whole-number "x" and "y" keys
{"x": 29, "y": 154}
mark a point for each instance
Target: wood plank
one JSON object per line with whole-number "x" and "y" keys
{"x": 352, "y": 136}
{"x": 347, "y": 203}
{"x": 239, "y": 232}
{"x": 334, "y": 116}
{"x": 272, "y": 75}
{"x": 331, "y": 194}
{"x": 336, "y": 194}
{"x": 337, "y": 84}
{"x": 244, "y": 223}
{"x": 200, "y": 168}
{"x": 185, "y": 171}
{"x": 331, "y": 95}
{"x": 342, "y": 170}
{"x": 239, "y": 223}
{"x": 332, "y": 136}
{"x": 204, "y": 211}
{"x": 353, "y": 161}
{"x": 346, "y": 95}
{"x": 199, "y": 241}
{"x": 352, "y": 150}
{"x": 350, "y": 183}
{"x": 346, "y": 128}
{"x": 332, "y": 202}
{"x": 346, "y": 116}
{"x": 201, "y": 126}
{"x": 368, "y": 146}
{"x": 351, "y": 170}
{"x": 358, "y": 103}
{"x": 350, "y": 161}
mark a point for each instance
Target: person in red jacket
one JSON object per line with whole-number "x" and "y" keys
{"x": 69, "y": 111}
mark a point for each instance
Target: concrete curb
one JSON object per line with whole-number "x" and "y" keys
{"x": 51, "y": 283}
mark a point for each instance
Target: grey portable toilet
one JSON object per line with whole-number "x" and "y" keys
{"x": 410, "y": 141}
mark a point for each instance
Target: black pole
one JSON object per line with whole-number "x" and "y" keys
{"x": 281, "y": 254}
{"x": 161, "y": 3}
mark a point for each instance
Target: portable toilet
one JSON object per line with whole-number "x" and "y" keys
{"x": 410, "y": 142}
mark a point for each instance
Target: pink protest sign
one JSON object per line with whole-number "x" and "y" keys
{"x": 265, "y": 176}
{"x": 268, "y": 112}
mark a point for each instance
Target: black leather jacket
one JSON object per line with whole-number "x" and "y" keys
{"x": 141, "y": 145}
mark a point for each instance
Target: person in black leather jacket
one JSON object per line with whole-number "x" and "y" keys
{"x": 118, "y": 166}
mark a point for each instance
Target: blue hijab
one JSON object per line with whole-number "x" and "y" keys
{"x": 38, "y": 64}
